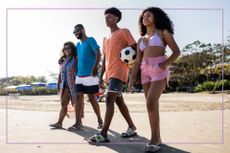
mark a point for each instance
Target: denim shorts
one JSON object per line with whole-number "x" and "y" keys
{"x": 115, "y": 86}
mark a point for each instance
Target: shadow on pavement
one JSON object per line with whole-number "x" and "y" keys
{"x": 124, "y": 145}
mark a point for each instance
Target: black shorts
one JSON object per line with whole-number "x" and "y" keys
{"x": 87, "y": 85}
{"x": 115, "y": 86}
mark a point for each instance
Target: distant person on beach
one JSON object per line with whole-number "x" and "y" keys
{"x": 156, "y": 30}
{"x": 66, "y": 80}
{"x": 116, "y": 74}
{"x": 88, "y": 53}
{"x": 100, "y": 96}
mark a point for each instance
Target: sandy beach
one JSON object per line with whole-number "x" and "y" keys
{"x": 189, "y": 123}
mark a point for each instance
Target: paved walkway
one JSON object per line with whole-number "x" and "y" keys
{"x": 196, "y": 131}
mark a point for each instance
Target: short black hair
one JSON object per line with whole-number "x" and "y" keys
{"x": 79, "y": 25}
{"x": 114, "y": 11}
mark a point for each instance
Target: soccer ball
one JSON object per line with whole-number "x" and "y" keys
{"x": 128, "y": 55}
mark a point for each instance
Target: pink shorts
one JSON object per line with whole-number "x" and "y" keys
{"x": 150, "y": 70}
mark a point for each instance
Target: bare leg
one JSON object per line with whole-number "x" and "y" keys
{"x": 65, "y": 98}
{"x": 155, "y": 90}
{"x": 146, "y": 89}
{"x": 110, "y": 99}
{"x": 96, "y": 107}
{"x": 78, "y": 109}
{"x": 124, "y": 111}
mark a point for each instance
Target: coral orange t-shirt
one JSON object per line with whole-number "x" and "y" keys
{"x": 112, "y": 46}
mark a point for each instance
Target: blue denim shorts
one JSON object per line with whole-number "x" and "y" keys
{"x": 115, "y": 86}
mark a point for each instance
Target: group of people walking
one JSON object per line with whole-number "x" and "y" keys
{"x": 79, "y": 71}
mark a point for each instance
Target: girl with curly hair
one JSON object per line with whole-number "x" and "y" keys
{"x": 156, "y": 30}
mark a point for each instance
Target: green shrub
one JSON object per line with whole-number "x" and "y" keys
{"x": 43, "y": 91}
{"x": 209, "y": 85}
{"x": 34, "y": 91}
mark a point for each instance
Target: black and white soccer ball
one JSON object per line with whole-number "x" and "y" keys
{"x": 128, "y": 55}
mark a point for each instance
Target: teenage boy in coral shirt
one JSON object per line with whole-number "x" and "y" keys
{"x": 116, "y": 74}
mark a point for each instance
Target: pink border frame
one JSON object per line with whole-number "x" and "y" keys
{"x": 92, "y": 8}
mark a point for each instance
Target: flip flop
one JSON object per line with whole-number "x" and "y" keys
{"x": 151, "y": 148}
{"x": 73, "y": 128}
{"x": 129, "y": 133}
{"x": 98, "y": 138}
{"x": 100, "y": 125}
{"x": 56, "y": 126}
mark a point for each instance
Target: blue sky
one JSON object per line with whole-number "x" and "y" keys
{"x": 35, "y": 36}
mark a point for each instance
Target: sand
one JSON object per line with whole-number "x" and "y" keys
{"x": 189, "y": 123}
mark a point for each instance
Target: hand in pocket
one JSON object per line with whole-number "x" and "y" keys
{"x": 161, "y": 66}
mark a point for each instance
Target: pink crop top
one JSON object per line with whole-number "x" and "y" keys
{"x": 155, "y": 40}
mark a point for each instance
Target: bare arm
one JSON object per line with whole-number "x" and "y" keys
{"x": 102, "y": 70}
{"x": 134, "y": 46}
{"x": 59, "y": 79}
{"x": 98, "y": 57}
{"x": 169, "y": 40}
{"x": 136, "y": 66}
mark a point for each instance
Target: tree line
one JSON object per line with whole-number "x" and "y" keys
{"x": 201, "y": 67}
